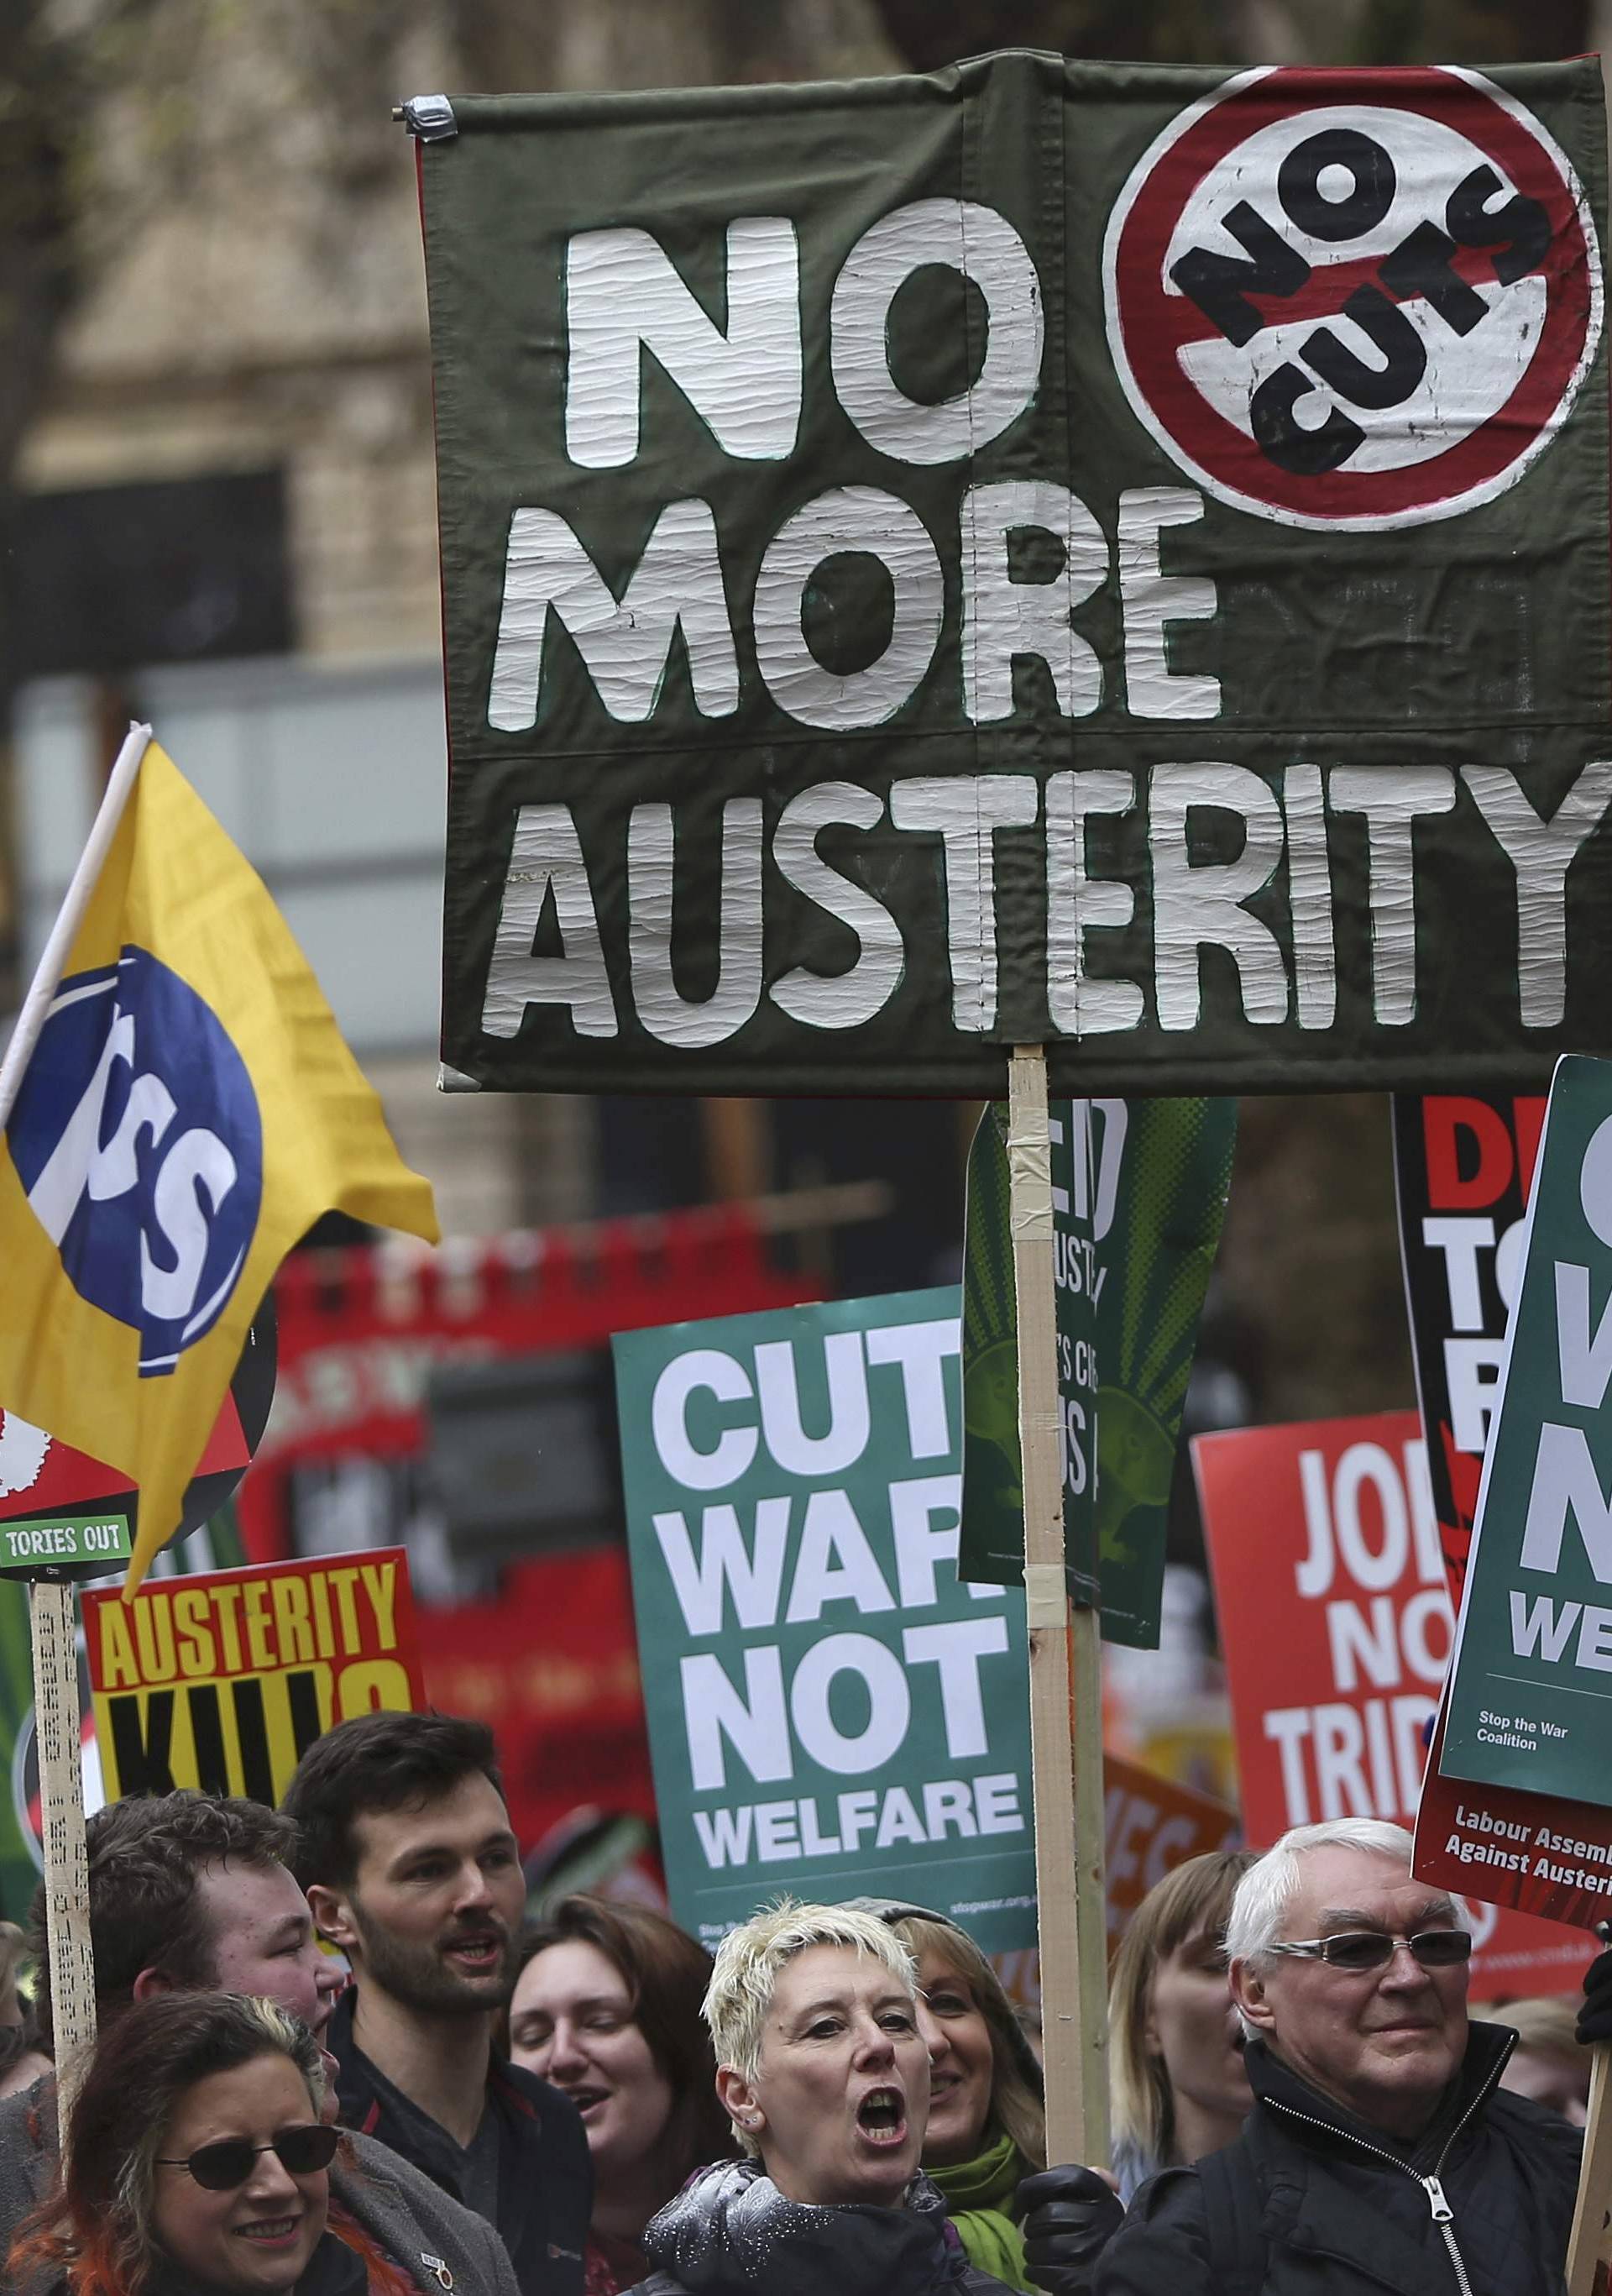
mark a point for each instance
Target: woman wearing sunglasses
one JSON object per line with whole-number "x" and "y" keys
{"x": 196, "y": 2161}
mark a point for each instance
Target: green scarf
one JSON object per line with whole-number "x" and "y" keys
{"x": 978, "y": 2197}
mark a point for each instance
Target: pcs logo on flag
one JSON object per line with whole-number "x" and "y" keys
{"x": 138, "y": 1139}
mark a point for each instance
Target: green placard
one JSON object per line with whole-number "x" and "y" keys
{"x": 831, "y": 1713}
{"x": 18, "y": 1867}
{"x": 1139, "y": 1192}
{"x": 1530, "y": 1700}
{"x": 53, "y": 1542}
{"x": 1047, "y": 553}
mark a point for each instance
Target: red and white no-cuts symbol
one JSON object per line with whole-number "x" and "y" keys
{"x": 1342, "y": 299}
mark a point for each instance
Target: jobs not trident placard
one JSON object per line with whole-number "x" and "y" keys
{"x": 815, "y": 462}
{"x": 829, "y": 1711}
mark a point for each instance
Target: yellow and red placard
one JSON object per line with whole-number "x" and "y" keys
{"x": 222, "y": 1682}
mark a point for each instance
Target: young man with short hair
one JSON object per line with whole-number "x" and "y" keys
{"x": 411, "y": 1867}
{"x": 191, "y": 1893}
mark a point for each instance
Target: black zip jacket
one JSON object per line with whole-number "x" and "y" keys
{"x": 1311, "y": 2202}
{"x": 545, "y": 2180}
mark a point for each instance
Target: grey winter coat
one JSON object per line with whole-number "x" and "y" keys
{"x": 444, "y": 2249}
{"x": 731, "y": 2232}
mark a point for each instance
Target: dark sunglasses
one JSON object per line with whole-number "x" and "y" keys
{"x": 220, "y": 2167}
{"x": 1371, "y": 1948}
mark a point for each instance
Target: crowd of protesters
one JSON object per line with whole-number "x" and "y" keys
{"x": 842, "y": 2103}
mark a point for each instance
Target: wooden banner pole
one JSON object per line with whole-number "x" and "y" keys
{"x": 53, "y": 1624}
{"x": 1065, "y": 1733}
{"x": 1091, "y": 1878}
{"x": 1587, "y": 2240}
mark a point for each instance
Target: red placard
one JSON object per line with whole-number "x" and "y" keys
{"x": 1153, "y": 1825}
{"x": 1533, "y": 1851}
{"x": 39, "y": 1476}
{"x": 552, "y": 1665}
{"x": 1464, "y": 1165}
{"x": 362, "y": 1327}
{"x": 1336, "y": 1624}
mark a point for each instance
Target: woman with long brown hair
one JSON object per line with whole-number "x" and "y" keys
{"x": 607, "y": 2007}
{"x": 1174, "y": 2043}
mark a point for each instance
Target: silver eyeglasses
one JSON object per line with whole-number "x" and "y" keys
{"x": 1359, "y": 1949}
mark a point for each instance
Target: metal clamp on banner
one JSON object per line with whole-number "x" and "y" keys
{"x": 431, "y": 118}
{"x": 1047, "y": 1601}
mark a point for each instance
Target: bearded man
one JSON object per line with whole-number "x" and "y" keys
{"x": 412, "y": 1869}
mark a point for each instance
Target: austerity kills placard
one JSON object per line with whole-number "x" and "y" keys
{"x": 1531, "y": 1685}
{"x": 831, "y": 1713}
{"x": 222, "y": 1683}
{"x": 814, "y": 460}
{"x": 1463, "y": 1164}
{"x": 1334, "y": 1622}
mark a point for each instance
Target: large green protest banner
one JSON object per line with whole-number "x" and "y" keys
{"x": 1139, "y": 1192}
{"x": 1530, "y": 1696}
{"x": 829, "y": 1711}
{"x": 1045, "y": 552}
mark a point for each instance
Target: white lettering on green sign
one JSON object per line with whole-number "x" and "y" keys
{"x": 1197, "y": 905}
{"x": 47, "y": 1543}
{"x": 827, "y": 1690}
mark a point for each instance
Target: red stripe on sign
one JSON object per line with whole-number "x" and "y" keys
{"x": 1328, "y": 289}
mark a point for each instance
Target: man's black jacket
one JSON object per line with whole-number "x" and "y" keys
{"x": 1310, "y": 2202}
{"x": 545, "y": 2180}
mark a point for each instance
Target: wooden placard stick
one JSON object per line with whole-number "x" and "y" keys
{"x": 52, "y": 1624}
{"x": 1589, "y": 2243}
{"x": 1066, "y": 1732}
{"x": 52, "y": 1619}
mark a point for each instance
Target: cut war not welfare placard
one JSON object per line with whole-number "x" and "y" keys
{"x": 793, "y": 515}
{"x": 221, "y": 1683}
{"x": 831, "y": 1712}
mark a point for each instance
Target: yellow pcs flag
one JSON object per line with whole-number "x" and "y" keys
{"x": 188, "y": 1112}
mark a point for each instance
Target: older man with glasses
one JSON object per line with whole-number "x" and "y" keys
{"x": 1381, "y": 2152}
